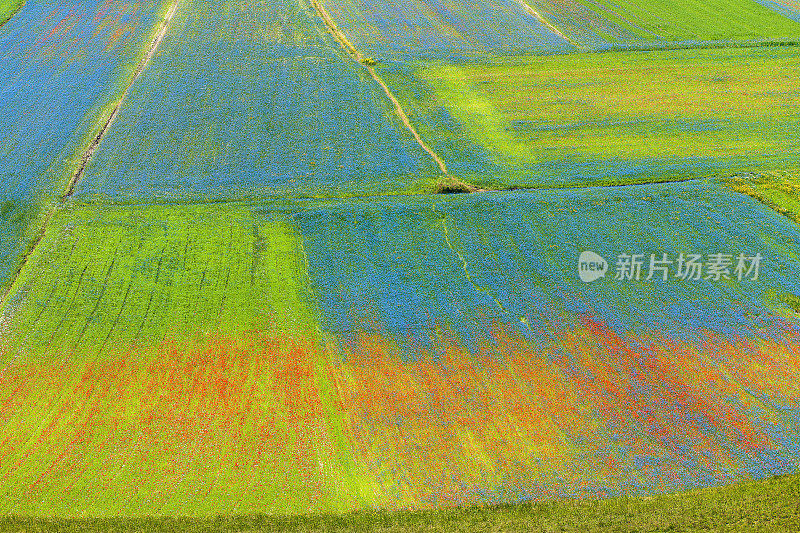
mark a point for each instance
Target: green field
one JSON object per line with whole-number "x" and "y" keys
{"x": 106, "y": 278}
{"x": 650, "y": 21}
{"x": 779, "y": 190}
{"x": 164, "y": 360}
{"x": 8, "y": 8}
{"x": 608, "y": 118}
{"x": 768, "y": 505}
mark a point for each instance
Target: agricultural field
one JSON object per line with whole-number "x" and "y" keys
{"x": 233, "y": 296}
{"x": 114, "y": 384}
{"x": 331, "y": 355}
{"x": 788, "y": 8}
{"x": 8, "y": 8}
{"x": 606, "y": 118}
{"x": 756, "y": 506}
{"x": 45, "y": 51}
{"x": 268, "y": 106}
{"x": 413, "y": 28}
{"x": 640, "y": 23}
{"x": 416, "y": 28}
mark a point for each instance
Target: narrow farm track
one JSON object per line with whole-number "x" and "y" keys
{"x": 365, "y": 62}
{"x": 89, "y": 153}
{"x": 538, "y": 16}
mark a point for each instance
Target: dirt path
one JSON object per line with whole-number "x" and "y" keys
{"x": 538, "y": 16}
{"x": 89, "y": 153}
{"x": 365, "y": 62}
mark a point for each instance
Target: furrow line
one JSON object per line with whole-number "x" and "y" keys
{"x": 87, "y": 155}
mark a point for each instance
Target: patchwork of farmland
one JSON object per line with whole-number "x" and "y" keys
{"x": 60, "y": 67}
{"x": 606, "y": 118}
{"x": 414, "y": 28}
{"x": 331, "y": 355}
{"x": 249, "y": 300}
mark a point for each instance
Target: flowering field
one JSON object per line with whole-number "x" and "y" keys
{"x": 162, "y": 360}
{"x": 635, "y": 23}
{"x": 46, "y": 51}
{"x": 253, "y": 100}
{"x": 606, "y": 118}
{"x": 413, "y": 28}
{"x": 789, "y": 8}
{"x": 254, "y": 304}
{"x": 329, "y": 355}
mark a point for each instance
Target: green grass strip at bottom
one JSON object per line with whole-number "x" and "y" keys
{"x": 767, "y": 505}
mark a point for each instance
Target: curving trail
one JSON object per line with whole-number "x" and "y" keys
{"x": 365, "y": 62}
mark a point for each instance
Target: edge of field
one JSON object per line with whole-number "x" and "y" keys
{"x": 771, "y": 504}
{"x": 8, "y": 9}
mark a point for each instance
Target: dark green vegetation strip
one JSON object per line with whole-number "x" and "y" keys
{"x": 778, "y": 190}
{"x": 768, "y": 505}
{"x": 8, "y": 8}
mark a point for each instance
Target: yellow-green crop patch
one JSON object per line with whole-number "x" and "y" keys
{"x": 164, "y": 360}
{"x": 106, "y": 278}
{"x": 8, "y": 8}
{"x": 609, "y": 117}
{"x": 659, "y": 22}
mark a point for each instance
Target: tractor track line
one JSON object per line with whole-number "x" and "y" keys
{"x": 89, "y": 153}
{"x": 550, "y": 26}
{"x": 365, "y": 62}
{"x": 87, "y": 156}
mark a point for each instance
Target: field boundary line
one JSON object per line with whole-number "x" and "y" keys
{"x": 37, "y": 239}
{"x": 366, "y": 63}
{"x": 89, "y": 152}
{"x": 10, "y": 14}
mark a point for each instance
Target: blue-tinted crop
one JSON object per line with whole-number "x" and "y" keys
{"x": 248, "y": 101}
{"x": 403, "y": 268}
{"x": 432, "y": 28}
{"x": 60, "y": 64}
